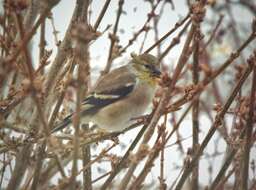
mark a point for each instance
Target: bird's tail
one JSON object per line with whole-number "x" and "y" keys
{"x": 62, "y": 124}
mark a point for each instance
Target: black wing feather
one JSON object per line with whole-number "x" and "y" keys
{"x": 97, "y": 103}
{"x": 63, "y": 124}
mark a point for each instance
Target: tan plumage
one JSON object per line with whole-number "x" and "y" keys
{"x": 121, "y": 95}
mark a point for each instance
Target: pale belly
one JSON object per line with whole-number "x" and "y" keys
{"x": 119, "y": 115}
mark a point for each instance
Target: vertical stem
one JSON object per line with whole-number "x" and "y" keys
{"x": 82, "y": 57}
{"x": 2, "y": 171}
{"x": 161, "y": 179}
{"x": 87, "y": 174}
{"x": 76, "y": 123}
{"x": 248, "y": 131}
{"x": 195, "y": 109}
{"x": 42, "y": 43}
{"x": 39, "y": 163}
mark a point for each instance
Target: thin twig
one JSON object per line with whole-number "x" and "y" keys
{"x": 29, "y": 35}
{"x": 174, "y": 41}
{"x": 218, "y": 120}
{"x": 213, "y": 34}
{"x": 149, "y": 163}
{"x": 142, "y": 29}
{"x": 113, "y": 38}
{"x": 102, "y": 13}
{"x": 177, "y": 25}
{"x": 120, "y": 165}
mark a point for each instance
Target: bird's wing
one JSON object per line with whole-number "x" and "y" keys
{"x": 112, "y": 87}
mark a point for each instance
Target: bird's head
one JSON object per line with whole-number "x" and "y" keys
{"x": 146, "y": 67}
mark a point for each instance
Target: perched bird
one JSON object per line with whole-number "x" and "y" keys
{"x": 122, "y": 94}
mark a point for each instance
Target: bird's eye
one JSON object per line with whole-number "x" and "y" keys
{"x": 147, "y": 66}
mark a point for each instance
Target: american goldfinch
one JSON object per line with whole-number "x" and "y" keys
{"x": 122, "y": 94}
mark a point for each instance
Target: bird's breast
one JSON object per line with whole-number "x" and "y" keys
{"x": 118, "y": 115}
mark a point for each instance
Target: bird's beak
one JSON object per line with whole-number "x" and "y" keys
{"x": 156, "y": 73}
